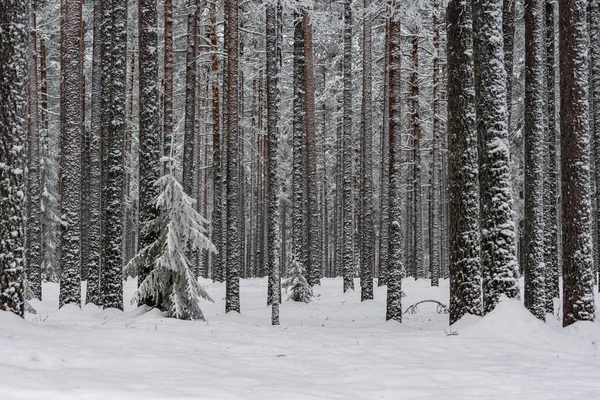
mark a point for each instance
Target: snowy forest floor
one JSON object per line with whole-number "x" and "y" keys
{"x": 333, "y": 348}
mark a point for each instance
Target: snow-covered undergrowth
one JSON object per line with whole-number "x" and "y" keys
{"x": 332, "y": 348}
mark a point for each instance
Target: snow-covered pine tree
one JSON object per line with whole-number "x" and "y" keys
{"x": 383, "y": 259}
{"x": 13, "y": 135}
{"x": 95, "y": 184}
{"x": 535, "y": 124}
{"x": 578, "y": 296}
{"x": 113, "y": 125}
{"x": 396, "y": 269}
{"x": 498, "y": 232}
{"x": 367, "y": 236}
{"x": 313, "y": 265}
{"x": 299, "y": 221}
{"x": 233, "y": 239}
{"x": 171, "y": 285}
{"x": 190, "y": 97}
{"x": 217, "y": 205}
{"x": 348, "y": 199}
{"x": 435, "y": 244}
{"x": 150, "y": 151}
{"x": 168, "y": 63}
{"x": 417, "y": 268}
{"x": 70, "y": 160}
{"x": 552, "y": 272}
{"x": 33, "y": 259}
{"x": 508, "y": 32}
{"x": 273, "y": 115}
{"x": 464, "y": 263}
{"x": 295, "y": 281}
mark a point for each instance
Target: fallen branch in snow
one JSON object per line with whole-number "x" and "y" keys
{"x": 441, "y": 308}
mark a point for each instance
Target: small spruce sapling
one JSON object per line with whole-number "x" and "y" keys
{"x": 171, "y": 284}
{"x": 295, "y": 282}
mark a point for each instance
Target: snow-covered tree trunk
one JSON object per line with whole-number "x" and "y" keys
{"x": 463, "y": 208}
{"x": 417, "y": 186}
{"x": 273, "y": 115}
{"x": 535, "y": 124}
{"x": 70, "y": 160}
{"x": 498, "y": 232}
{"x": 434, "y": 198}
{"x": 313, "y": 265}
{"x": 299, "y": 222}
{"x": 33, "y": 257}
{"x": 190, "y": 97}
{"x": 95, "y": 179}
{"x": 552, "y": 271}
{"x": 594, "y": 19}
{"x": 150, "y": 151}
{"x": 367, "y": 236}
{"x": 168, "y": 64}
{"x": 384, "y": 178}
{"x": 218, "y": 273}
{"x": 508, "y": 31}
{"x": 395, "y": 272}
{"x": 578, "y": 297}
{"x": 348, "y": 199}
{"x": 114, "y": 71}
{"x": 234, "y": 256}
{"x": 13, "y": 135}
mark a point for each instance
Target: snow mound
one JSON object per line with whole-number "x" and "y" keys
{"x": 511, "y": 320}
{"x": 11, "y": 322}
{"x": 584, "y": 329}
{"x": 70, "y": 312}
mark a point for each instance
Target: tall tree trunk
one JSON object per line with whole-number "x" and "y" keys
{"x": 383, "y": 186}
{"x": 95, "y": 179}
{"x": 299, "y": 244}
{"x": 367, "y": 235}
{"x": 535, "y": 123}
{"x": 218, "y": 273}
{"x": 33, "y": 257}
{"x": 417, "y": 198}
{"x": 273, "y": 98}
{"x": 578, "y": 297}
{"x": 114, "y": 71}
{"x": 70, "y": 160}
{"x": 594, "y": 18}
{"x": 498, "y": 232}
{"x": 232, "y": 301}
{"x": 190, "y": 98}
{"x": 150, "y": 151}
{"x": 463, "y": 213}
{"x": 168, "y": 78}
{"x": 434, "y": 187}
{"x": 13, "y": 134}
{"x": 508, "y": 31}
{"x": 313, "y": 265}
{"x": 348, "y": 199}
{"x": 396, "y": 269}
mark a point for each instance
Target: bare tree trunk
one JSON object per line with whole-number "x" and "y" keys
{"x": 33, "y": 257}
{"x": 396, "y": 269}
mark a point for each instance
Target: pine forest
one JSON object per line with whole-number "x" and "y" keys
{"x": 299, "y": 199}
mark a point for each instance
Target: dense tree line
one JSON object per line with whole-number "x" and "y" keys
{"x": 307, "y": 139}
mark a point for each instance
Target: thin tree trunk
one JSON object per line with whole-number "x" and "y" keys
{"x": 33, "y": 257}
{"x": 367, "y": 235}
{"x": 232, "y": 301}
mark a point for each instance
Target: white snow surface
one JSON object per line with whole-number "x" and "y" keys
{"x": 332, "y": 348}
